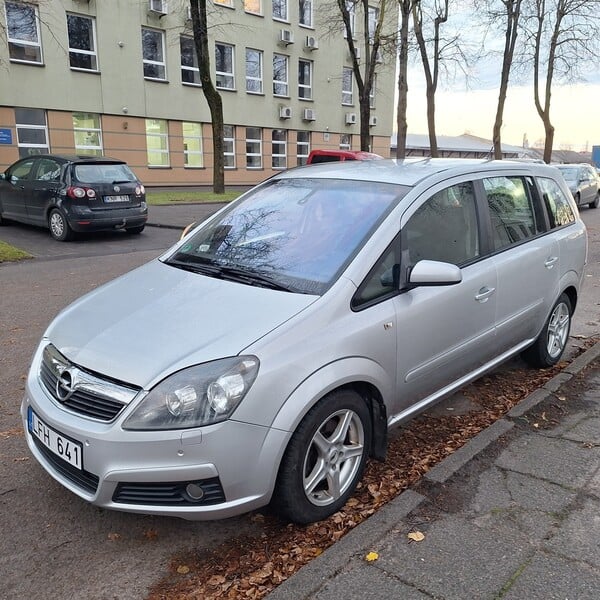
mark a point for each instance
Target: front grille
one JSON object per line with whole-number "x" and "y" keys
{"x": 83, "y": 479}
{"x": 169, "y": 494}
{"x": 92, "y": 396}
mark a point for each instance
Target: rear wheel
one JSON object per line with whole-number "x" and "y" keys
{"x": 135, "y": 230}
{"x": 325, "y": 458}
{"x": 59, "y": 227}
{"x": 551, "y": 343}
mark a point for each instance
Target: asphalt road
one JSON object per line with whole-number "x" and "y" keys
{"x": 54, "y": 545}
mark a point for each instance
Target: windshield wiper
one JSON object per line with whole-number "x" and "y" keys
{"x": 230, "y": 274}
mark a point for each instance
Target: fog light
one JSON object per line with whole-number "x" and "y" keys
{"x": 194, "y": 491}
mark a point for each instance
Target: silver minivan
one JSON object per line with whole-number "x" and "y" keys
{"x": 265, "y": 356}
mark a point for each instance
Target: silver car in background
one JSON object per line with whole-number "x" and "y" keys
{"x": 583, "y": 182}
{"x": 264, "y": 357}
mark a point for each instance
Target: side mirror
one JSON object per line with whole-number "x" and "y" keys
{"x": 433, "y": 272}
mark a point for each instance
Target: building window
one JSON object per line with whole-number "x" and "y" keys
{"x": 280, "y": 10}
{"x": 253, "y": 148}
{"x": 157, "y": 142}
{"x": 32, "y": 131}
{"x": 224, "y": 2}
{"x": 229, "y": 146}
{"x": 345, "y": 141}
{"x": 82, "y": 43}
{"x": 153, "y": 49}
{"x": 224, "y": 66}
{"x": 192, "y": 145}
{"x": 279, "y": 149}
{"x": 254, "y": 71}
{"x": 280, "y": 75}
{"x": 87, "y": 133}
{"x": 23, "y": 29}
{"x": 190, "y": 73}
{"x": 351, "y": 8}
{"x": 305, "y": 9}
{"x": 372, "y": 92}
{"x": 372, "y": 22}
{"x": 347, "y": 83}
{"x": 253, "y": 6}
{"x": 302, "y": 147}
{"x": 304, "y": 79}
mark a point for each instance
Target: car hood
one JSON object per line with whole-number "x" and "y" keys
{"x": 159, "y": 319}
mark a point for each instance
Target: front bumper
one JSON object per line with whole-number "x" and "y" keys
{"x": 234, "y": 464}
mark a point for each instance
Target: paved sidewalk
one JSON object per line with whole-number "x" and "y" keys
{"x": 513, "y": 514}
{"x": 178, "y": 216}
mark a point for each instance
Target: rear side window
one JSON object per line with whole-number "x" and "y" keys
{"x": 559, "y": 210}
{"x": 511, "y": 211}
{"x": 48, "y": 170}
{"x": 444, "y": 227}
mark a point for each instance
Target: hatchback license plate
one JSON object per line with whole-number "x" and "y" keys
{"x": 116, "y": 198}
{"x": 67, "y": 449}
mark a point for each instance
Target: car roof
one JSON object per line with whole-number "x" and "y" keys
{"x": 356, "y": 154}
{"x": 411, "y": 171}
{"x": 79, "y": 158}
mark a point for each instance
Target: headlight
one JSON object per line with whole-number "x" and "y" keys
{"x": 200, "y": 395}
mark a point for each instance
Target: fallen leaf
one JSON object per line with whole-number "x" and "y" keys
{"x": 416, "y": 536}
{"x": 150, "y": 534}
{"x": 183, "y": 569}
{"x": 214, "y": 581}
{"x": 113, "y": 537}
{"x": 371, "y": 556}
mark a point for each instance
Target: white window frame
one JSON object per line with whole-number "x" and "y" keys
{"x": 372, "y": 92}
{"x": 155, "y": 63}
{"x": 304, "y": 145}
{"x": 282, "y": 82}
{"x": 93, "y": 53}
{"x": 351, "y": 8}
{"x": 253, "y": 12}
{"x": 226, "y": 141}
{"x": 188, "y": 153}
{"x": 86, "y": 148}
{"x": 347, "y": 94}
{"x": 226, "y": 3}
{"x": 345, "y": 141}
{"x": 372, "y": 22}
{"x": 257, "y": 140}
{"x": 24, "y": 147}
{"x": 301, "y": 14}
{"x": 284, "y": 4}
{"x": 162, "y": 136}
{"x": 304, "y": 86}
{"x": 37, "y": 44}
{"x": 251, "y": 79}
{"x": 281, "y": 147}
{"x": 194, "y": 70}
{"x": 225, "y": 75}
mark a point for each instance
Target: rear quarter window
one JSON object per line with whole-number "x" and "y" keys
{"x": 557, "y": 204}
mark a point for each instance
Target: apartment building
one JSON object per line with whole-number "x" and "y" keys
{"x": 120, "y": 78}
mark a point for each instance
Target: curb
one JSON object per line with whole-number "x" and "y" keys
{"x": 304, "y": 584}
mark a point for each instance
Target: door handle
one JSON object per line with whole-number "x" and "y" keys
{"x": 484, "y": 293}
{"x": 550, "y": 262}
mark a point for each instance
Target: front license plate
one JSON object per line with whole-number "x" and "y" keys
{"x": 116, "y": 198}
{"x": 69, "y": 450}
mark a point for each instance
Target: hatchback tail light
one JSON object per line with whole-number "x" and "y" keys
{"x": 139, "y": 190}
{"x": 80, "y": 192}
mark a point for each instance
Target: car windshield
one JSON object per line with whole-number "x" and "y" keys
{"x": 292, "y": 234}
{"x": 569, "y": 173}
{"x": 103, "y": 173}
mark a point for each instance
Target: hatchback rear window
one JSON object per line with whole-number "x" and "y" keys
{"x": 103, "y": 173}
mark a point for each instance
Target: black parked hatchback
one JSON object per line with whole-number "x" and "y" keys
{"x": 70, "y": 194}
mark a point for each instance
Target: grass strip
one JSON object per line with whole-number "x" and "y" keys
{"x": 174, "y": 196}
{"x": 9, "y": 253}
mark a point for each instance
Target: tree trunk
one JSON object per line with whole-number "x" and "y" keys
{"x": 401, "y": 123}
{"x": 433, "y": 146}
{"x": 213, "y": 98}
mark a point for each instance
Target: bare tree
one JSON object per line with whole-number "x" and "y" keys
{"x": 364, "y": 68}
{"x": 562, "y": 35}
{"x": 401, "y": 123}
{"x": 213, "y": 98}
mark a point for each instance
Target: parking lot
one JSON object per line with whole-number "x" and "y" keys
{"x": 54, "y": 545}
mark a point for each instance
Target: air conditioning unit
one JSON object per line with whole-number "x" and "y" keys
{"x": 311, "y": 43}
{"x": 373, "y": 121}
{"x": 309, "y": 114}
{"x": 350, "y": 118}
{"x": 286, "y": 37}
{"x": 158, "y": 7}
{"x": 285, "y": 112}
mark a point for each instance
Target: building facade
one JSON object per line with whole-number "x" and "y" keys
{"x": 119, "y": 78}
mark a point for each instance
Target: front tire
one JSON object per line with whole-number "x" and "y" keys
{"x": 596, "y": 201}
{"x": 60, "y": 229}
{"x": 325, "y": 458}
{"x": 548, "y": 348}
